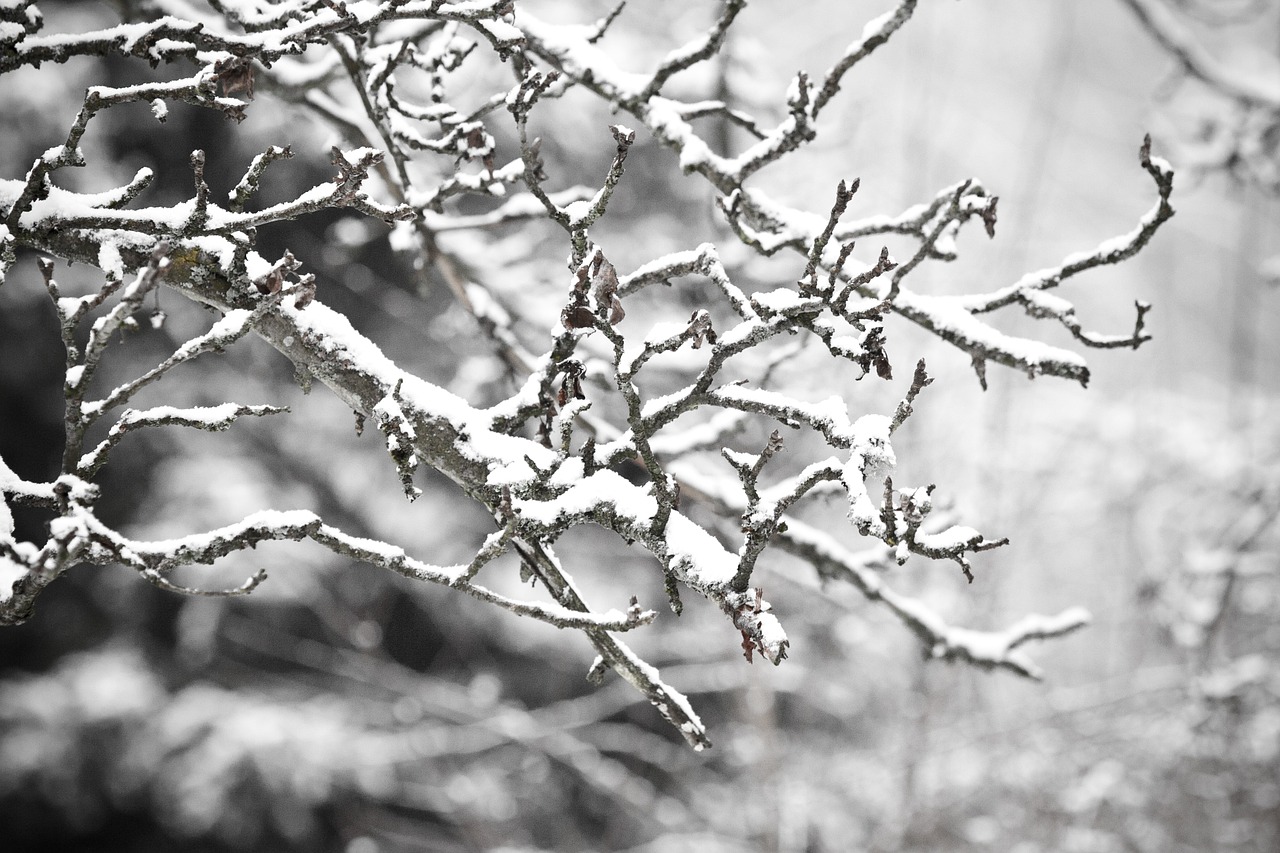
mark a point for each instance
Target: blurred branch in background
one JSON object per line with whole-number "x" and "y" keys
{"x": 1243, "y": 141}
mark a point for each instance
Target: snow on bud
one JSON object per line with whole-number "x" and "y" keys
{"x": 473, "y": 142}
{"x": 7, "y": 478}
{"x": 871, "y": 457}
{"x": 700, "y": 328}
{"x": 870, "y": 448}
{"x": 796, "y": 89}
{"x": 761, "y": 630}
{"x": 773, "y": 638}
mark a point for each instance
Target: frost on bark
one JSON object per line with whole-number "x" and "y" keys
{"x": 588, "y": 402}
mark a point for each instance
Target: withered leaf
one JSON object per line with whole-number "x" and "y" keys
{"x": 616, "y": 313}
{"x": 883, "y": 369}
{"x": 306, "y": 293}
{"x": 235, "y": 76}
{"x": 604, "y": 279}
{"x": 571, "y": 384}
{"x": 270, "y": 283}
{"x": 577, "y": 316}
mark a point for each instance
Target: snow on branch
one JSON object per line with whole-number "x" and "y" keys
{"x": 767, "y": 226}
{"x": 863, "y": 570}
{"x": 79, "y": 536}
{"x": 622, "y": 401}
{"x": 210, "y": 418}
{"x": 1030, "y": 290}
{"x": 698, "y": 50}
{"x": 431, "y": 426}
{"x": 286, "y": 29}
{"x": 990, "y": 649}
{"x": 876, "y": 32}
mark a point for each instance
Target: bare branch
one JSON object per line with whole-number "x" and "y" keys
{"x": 617, "y": 406}
{"x": 875, "y": 34}
{"x": 698, "y": 50}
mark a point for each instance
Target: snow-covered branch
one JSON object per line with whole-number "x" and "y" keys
{"x": 620, "y": 398}
{"x": 768, "y": 226}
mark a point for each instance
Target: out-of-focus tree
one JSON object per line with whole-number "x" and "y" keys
{"x": 1233, "y": 95}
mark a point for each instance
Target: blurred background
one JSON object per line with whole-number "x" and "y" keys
{"x": 342, "y": 708}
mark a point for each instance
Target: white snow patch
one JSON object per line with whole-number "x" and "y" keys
{"x": 956, "y": 536}
{"x": 74, "y": 375}
{"x": 704, "y": 560}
